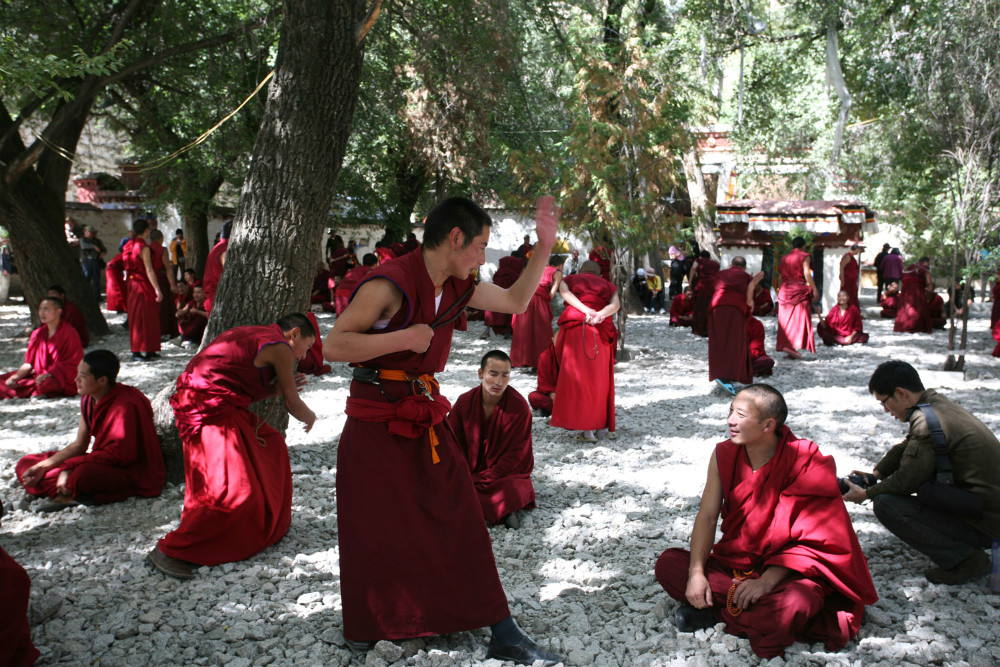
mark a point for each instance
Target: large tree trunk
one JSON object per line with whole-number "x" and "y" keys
{"x": 411, "y": 179}
{"x": 701, "y": 212}
{"x": 287, "y": 194}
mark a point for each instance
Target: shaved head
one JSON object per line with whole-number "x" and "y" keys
{"x": 768, "y": 401}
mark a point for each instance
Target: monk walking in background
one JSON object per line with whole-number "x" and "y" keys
{"x": 125, "y": 460}
{"x": 144, "y": 296}
{"x": 50, "y": 362}
{"x": 795, "y": 297}
{"x": 492, "y": 423}
{"x": 761, "y": 363}
{"x": 585, "y": 394}
{"x": 238, "y": 480}
{"x": 428, "y": 568}
{"x": 543, "y": 397}
{"x": 214, "y": 265}
{"x": 702, "y": 280}
{"x": 71, "y": 313}
{"x": 842, "y": 325}
{"x": 508, "y": 270}
{"x": 788, "y": 566}
{"x": 533, "y": 328}
{"x": 850, "y": 275}
{"x": 728, "y": 352}
{"x": 912, "y": 314}
{"x": 166, "y": 282}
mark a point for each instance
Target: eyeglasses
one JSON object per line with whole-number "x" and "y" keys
{"x": 886, "y": 399}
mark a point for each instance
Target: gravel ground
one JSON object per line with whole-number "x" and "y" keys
{"x": 579, "y": 570}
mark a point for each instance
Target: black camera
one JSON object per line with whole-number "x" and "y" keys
{"x": 862, "y": 479}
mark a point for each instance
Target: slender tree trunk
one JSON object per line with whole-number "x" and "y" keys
{"x": 700, "y": 211}
{"x": 411, "y": 179}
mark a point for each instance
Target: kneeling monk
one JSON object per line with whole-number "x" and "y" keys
{"x": 493, "y": 426}
{"x": 788, "y": 566}
{"x": 126, "y": 459}
{"x": 238, "y": 481}
{"x": 544, "y": 396}
{"x": 54, "y": 350}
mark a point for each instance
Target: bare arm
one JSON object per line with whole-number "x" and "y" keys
{"x": 572, "y": 300}
{"x": 170, "y": 274}
{"x": 147, "y": 262}
{"x": 279, "y": 357}
{"x": 76, "y": 448}
{"x": 693, "y": 273}
{"x": 753, "y": 287}
{"x": 23, "y": 371}
{"x": 698, "y": 592}
{"x": 843, "y": 265}
{"x": 556, "y": 282}
{"x": 808, "y": 273}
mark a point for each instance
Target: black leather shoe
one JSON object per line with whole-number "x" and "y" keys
{"x": 689, "y": 619}
{"x": 359, "y": 647}
{"x": 525, "y": 652}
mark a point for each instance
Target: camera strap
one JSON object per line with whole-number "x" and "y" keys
{"x": 941, "y": 460}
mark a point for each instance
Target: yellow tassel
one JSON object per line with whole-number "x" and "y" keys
{"x": 434, "y": 443}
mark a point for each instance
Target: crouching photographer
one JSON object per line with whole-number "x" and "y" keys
{"x": 939, "y": 489}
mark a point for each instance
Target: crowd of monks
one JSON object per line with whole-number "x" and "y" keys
{"x": 432, "y": 475}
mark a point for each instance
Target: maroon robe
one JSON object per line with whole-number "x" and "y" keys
{"x": 852, "y": 275}
{"x": 761, "y": 363}
{"x": 410, "y": 245}
{"x": 788, "y": 513}
{"x": 213, "y": 272}
{"x": 728, "y": 353}
{"x": 115, "y": 287}
{"x": 384, "y": 255}
{"x": 704, "y": 289}
{"x": 125, "y": 459}
{"x": 838, "y": 326}
{"x": 58, "y": 356}
{"x": 340, "y": 262}
{"x": 347, "y": 285}
{"x": 681, "y": 307}
{"x": 533, "y": 327}
{"x": 74, "y": 316}
{"x": 935, "y": 308}
{"x": 508, "y": 271}
{"x": 498, "y": 450}
{"x": 16, "y": 649}
{"x": 167, "y": 309}
{"x": 585, "y": 392}
{"x": 890, "y": 305}
{"x": 995, "y": 315}
{"x": 763, "y": 304}
{"x": 912, "y": 315}
{"x": 397, "y": 249}
{"x": 312, "y": 363}
{"x": 601, "y": 255}
{"x": 548, "y": 377}
{"x": 190, "y": 324}
{"x": 795, "y": 329}
{"x": 238, "y": 480}
{"x": 321, "y": 287}
{"x": 143, "y": 310}
{"x": 428, "y": 569}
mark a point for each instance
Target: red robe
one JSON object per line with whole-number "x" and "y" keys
{"x": 508, "y": 271}
{"x": 795, "y": 329}
{"x": 761, "y": 363}
{"x": 913, "y": 316}
{"x": 601, "y": 255}
{"x": 347, "y": 285}
{"x": 115, "y": 286}
{"x": 16, "y": 649}
{"x": 340, "y": 262}
{"x": 728, "y": 353}
{"x": 312, "y": 363}
{"x": 852, "y": 274}
{"x": 935, "y": 308}
{"x": 58, "y": 356}
{"x": 143, "y": 310}
{"x": 410, "y": 245}
{"x": 788, "y": 513}
{"x": 890, "y": 305}
{"x": 704, "y": 289}
{"x": 125, "y": 459}
{"x": 680, "y": 307}
{"x": 995, "y": 315}
{"x": 322, "y": 284}
{"x": 498, "y": 450}
{"x": 192, "y": 325}
{"x": 74, "y": 316}
{"x": 397, "y": 249}
{"x": 167, "y": 309}
{"x": 213, "y": 272}
{"x": 763, "y": 304}
{"x": 238, "y": 481}
{"x": 533, "y": 327}
{"x": 428, "y": 568}
{"x": 384, "y": 255}
{"x": 548, "y": 377}
{"x": 838, "y": 326}
{"x": 585, "y": 393}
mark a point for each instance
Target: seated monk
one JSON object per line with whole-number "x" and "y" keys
{"x": 682, "y": 308}
{"x": 50, "y": 363}
{"x": 762, "y": 364}
{"x": 890, "y": 300}
{"x": 192, "y": 318}
{"x": 312, "y": 363}
{"x": 788, "y": 566}
{"x": 351, "y": 280}
{"x": 125, "y": 460}
{"x": 935, "y": 306}
{"x": 548, "y": 375}
{"x": 321, "y": 287}
{"x": 71, "y": 314}
{"x": 842, "y": 325}
{"x": 763, "y": 304}
{"x": 16, "y": 648}
{"x": 492, "y": 424}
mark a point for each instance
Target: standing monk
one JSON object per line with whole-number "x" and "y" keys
{"x": 238, "y": 481}
{"x": 429, "y": 568}
{"x": 493, "y": 426}
{"x": 788, "y": 566}
{"x": 508, "y": 271}
{"x": 842, "y": 325}
{"x": 166, "y": 282}
{"x": 214, "y": 265}
{"x": 144, "y": 296}
{"x": 50, "y": 363}
{"x": 850, "y": 275}
{"x": 913, "y": 315}
{"x": 116, "y": 289}
{"x": 585, "y": 393}
{"x": 533, "y": 328}
{"x": 795, "y": 297}
{"x": 732, "y": 300}
{"x": 702, "y": 280}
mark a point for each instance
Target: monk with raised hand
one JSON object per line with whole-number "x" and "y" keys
{"x": 842, "y": 325}
{"x": 125, "y": 460}
{"x": 492, "y": 423}
{"x": 238, "y": 480}
{"x": 428, "y": 567}
{"x": 50, "y": 362}
{"x": 796, "y": 294}
{"x": 788, "y": 566}
{"x": 143, "y": 296}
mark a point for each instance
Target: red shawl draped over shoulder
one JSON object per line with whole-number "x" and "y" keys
{"x": 72, "y": 314}
{"x": 790, "y": 513}
{"x": 58, "y": 356}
